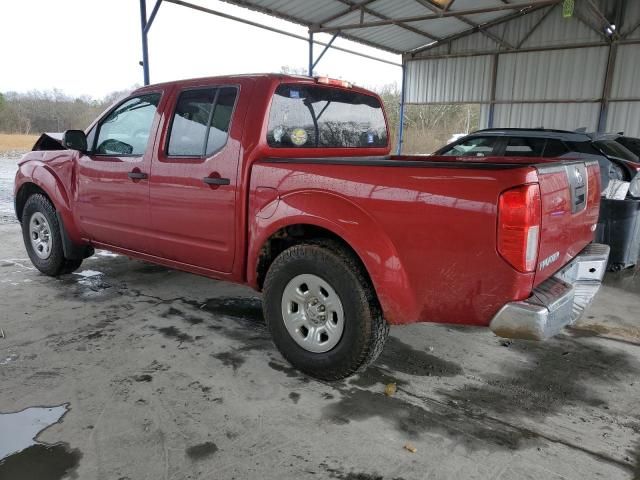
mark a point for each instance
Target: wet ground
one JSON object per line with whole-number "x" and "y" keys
{"x": 140, "y": 372}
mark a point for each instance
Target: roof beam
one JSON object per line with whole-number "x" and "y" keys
{"x": 457, "y": 13}
{"x": 363, "y": 8}
{"x": 585, "y": 21}
{"x": 535, "y": 27}
{"x": 471, "y": 31}
{"x": 276, "y": 30}
{"x": 352, "y": 8}
{"x": 279, "y": 14}
{"x": 486, "y": 33}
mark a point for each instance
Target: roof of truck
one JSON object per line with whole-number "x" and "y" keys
{"x": 276, "y": 77}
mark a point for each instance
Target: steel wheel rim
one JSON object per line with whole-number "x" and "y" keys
{"x": 312, "y": 313}
{"x": 40, "y": 235}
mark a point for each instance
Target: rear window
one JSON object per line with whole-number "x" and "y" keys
{"x": 554, "y": 148}
{"x": 525, "y": 147}
{"x": 311, "y": 116}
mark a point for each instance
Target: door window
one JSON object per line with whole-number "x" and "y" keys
{"x": 472, "y": 147}
{"x": 126, "y": 130}
{"x": 200, "y": 124}
{"x": 525, "y": 147}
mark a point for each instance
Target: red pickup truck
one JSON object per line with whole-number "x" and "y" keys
{"x": 285, "y": 183}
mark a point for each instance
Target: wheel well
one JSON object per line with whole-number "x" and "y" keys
{"x": 24, "y": 193}
{"x": 293, "y": 235}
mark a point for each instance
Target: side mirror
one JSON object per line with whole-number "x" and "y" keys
{"x": 74, "y": 140}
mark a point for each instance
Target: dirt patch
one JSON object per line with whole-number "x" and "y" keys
{"x": 557, "y": 374}
{"x": 230, "y": 359}
{"x": 398, "y": 357}
{"x": 174, "y": 333}
{"x": 342, "y": 475}
{"x": 174, "y": 312}
{"x": 150, "y": 268}
{"x": 413, "y": 420}
{"x": 636, "y": 460}
{"x": 202, "y": 450}
{"x": 294, "y": 396}
{"x": 41, "y": 462}
{"x": 243, "y": 308}
{"x": 628, "y": 333}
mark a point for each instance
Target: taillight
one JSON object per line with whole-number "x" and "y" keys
{"x": 333, "y": 81}
{"x": 519, "y": 214}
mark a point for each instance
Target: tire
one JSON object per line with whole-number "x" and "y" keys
{"x": 45, "y": 251}
{"x": 363, "y": 330}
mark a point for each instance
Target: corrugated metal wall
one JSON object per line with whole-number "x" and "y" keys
{"x": 552, "y": 88}
{"x": 449, "y": 80}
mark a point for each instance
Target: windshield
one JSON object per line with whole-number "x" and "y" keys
{"x": 312, "y": 116}
{"x": 630, "y": 143}
{"x": 612, "y": 148}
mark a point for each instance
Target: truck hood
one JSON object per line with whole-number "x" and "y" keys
{"x": 49, "y": 141}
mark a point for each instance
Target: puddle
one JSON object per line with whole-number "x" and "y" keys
{"x": 88, "y": 273}
{"x": 7, "y": 360}
{"x": 23, "y": 457}
{"x": 105, "y": 253}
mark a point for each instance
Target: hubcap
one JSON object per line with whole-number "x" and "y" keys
{"x": 312, "y": 313}
{"x": 40, "y": 235}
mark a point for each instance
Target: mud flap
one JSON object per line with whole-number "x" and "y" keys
{"x": 71, "y": 250}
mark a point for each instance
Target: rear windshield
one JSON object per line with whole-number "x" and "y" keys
{"x": 311, "y": 116}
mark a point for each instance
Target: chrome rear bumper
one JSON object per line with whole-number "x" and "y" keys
{"x": 558, "y": 301}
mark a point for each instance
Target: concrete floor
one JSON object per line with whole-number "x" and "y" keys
{"x": 166, "y": 375}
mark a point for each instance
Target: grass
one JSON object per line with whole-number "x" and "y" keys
{"x": 16, "y": 142}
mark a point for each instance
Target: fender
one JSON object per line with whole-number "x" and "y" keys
{"x": 356, "y": 227}
{"x": 48, "y": 179}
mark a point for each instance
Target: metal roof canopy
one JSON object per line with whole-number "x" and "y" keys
{"x": 424, "y": 30}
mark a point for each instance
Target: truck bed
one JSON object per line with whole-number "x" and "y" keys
{"x": 436, "y": 217}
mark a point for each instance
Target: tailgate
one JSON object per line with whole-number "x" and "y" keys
{"x": 570, "y": 204}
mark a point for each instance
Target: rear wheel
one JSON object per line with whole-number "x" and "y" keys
{"x": 322, "y": 312}
{"x": 42, "y": 237}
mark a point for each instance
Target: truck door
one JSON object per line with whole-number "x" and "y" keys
{"x": 194, "y": 179}
{"x": 112, "y": 198}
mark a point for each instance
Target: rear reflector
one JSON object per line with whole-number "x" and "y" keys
{"x": 519, "y": 215}
{"x": 333, "y": 81}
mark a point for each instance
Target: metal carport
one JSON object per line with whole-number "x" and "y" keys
{"x": 551, "y": 63}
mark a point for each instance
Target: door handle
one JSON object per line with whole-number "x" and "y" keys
{"x": 137, "y": 175}
{"x": 216, "y": 181}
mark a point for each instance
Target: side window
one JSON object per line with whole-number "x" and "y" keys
{"x": 525, "y": 147}
{"x": 554, "y": 148}
{"x": 221, "y": 119}
{"x": 472, "y": 147}
{"x": 126, "y": 130}
{"x": 201, "y": 121}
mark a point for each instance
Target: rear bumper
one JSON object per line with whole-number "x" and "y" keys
{"x": 558, "y": 301}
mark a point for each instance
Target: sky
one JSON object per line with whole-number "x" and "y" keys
{"x": 92, "y": 47}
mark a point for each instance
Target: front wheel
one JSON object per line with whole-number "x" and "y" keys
{"x": 42, "y": 237}
{"x": 322, "y": 311}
